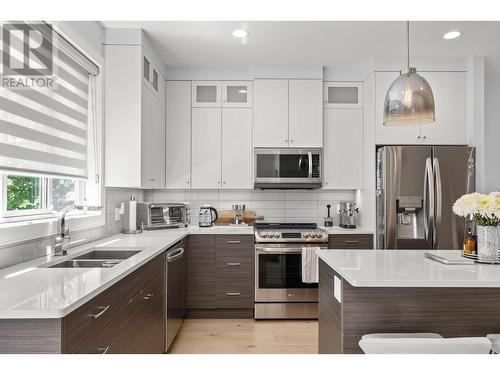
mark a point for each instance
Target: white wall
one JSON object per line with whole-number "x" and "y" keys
{"x": 92, "y": 31}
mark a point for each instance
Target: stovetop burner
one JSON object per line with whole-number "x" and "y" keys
{"x": 289, "y": 232}
{"x": 281, "y": 226}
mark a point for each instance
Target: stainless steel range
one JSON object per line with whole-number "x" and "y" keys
{"x": 279, "y": 290}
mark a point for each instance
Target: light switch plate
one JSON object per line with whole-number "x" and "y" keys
{"x": 337, "y": 289}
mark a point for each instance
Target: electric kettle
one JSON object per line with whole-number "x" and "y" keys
{"x": 206, "y": 218}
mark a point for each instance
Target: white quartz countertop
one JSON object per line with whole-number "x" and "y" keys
{"x": 408, "y": 268}
{"x": 27, "y": 291}
{"x": 339, "y": 230}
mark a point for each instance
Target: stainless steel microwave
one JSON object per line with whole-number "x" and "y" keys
{"x": 287, "y": 168}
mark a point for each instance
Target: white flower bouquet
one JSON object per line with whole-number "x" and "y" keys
{"x": 484, "y": 209}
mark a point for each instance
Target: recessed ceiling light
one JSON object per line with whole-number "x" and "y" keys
{"x": 240, "y": 33}
{"x": 452, "y": 35}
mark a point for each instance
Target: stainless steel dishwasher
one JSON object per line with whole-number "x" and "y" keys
{"x": 176, "y": 291}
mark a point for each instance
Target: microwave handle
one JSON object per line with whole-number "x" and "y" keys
{"x": 309, "y": 155}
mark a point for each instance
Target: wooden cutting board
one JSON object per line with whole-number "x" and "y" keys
{"x": 226, "y": 217}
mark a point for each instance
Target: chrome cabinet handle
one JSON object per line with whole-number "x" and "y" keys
{"x": 233, "y": 264}
{"x": 233, "y": 294}
{"x": 309, "y": 156}
{"x": 104, "y": 350}
{"x": 98, "y": 315}
{"x": 233, "y": 241}
{"x": 174, "y": 254}
{"x": 351, "y": 241}
{"x": 148, "y": 296}
{"x": 286, "y": 140}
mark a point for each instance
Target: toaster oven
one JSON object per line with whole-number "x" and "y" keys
{"x": 163, "y": 215}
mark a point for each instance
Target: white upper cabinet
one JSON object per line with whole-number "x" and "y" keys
{"x": 390, "y": 134}
{"x": 237, "y": 94}
{"x": 178, "y": 134}
{"x": 288, "y": 113}
{"x": 134, "y": 118}
{"x": 343, "y": 151}
{"x": 237, "y": 150}
{"x": 153, "y": 137}
{"x": 449, "y": 99}
{"x": 206, "y": 148}
{"x": 206, "y": 93}
{"x": 343, "y": 94}
{"x": 305, "y": 113}
{"x": 271, "y": 113}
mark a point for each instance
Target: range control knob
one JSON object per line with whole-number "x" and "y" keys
{"x": 319, "y": 235}
{"x": 306, "y": 235}
{"x": 276, "y": 235}
{"x": 263, "y": 234}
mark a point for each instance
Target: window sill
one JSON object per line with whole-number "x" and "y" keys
{"x": 22, "y": 228}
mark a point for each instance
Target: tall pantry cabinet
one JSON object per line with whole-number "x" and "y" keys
{"x": 212, "y": 120}
{"x": 134, "y": 92}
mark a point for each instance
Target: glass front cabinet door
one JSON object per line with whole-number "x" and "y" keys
{"x": 236, "y": 93}
{"x": 206, "y": 93}
{"x": 343, "y": 95}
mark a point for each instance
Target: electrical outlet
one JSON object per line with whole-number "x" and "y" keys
{"x": 119, "y": 211}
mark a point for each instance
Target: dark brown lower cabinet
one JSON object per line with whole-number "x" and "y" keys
{"x": 200, "y": 268}
{"x": 220, "y": 276}
{"x": 142, "y": 320}
{"x": 329, "y": 320}
{"x": 350, "y": 241}
{"x": 105, "y": 341}
{"x": 136, "y": 325}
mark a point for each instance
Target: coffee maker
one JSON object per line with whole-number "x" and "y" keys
{"x": 238, "y": 212}
{"x": 348, "y": 214}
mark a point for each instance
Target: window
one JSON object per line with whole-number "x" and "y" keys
{"x": 50, "y": 137}
{"x": 33, "y": 195}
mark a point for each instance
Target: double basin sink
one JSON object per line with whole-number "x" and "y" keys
{"x": 97, "y": 259}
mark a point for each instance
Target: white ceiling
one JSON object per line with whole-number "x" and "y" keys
{"x": 328, "y": 43}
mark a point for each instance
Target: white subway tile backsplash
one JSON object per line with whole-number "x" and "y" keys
{"x": 301, "y": 204}
{"x": 267, "y": 195}
{"x": 274, "y": 205}
{"x": 297, "y": 195}
{"x": 202, "y": 195}
{"x": 235, "y": 195}
{"x": 256, "y": 204}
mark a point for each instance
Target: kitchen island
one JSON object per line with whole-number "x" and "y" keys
{"x": 370, "y": 291}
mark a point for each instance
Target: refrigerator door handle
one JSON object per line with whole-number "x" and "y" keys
{"x": 439, "y": 201}
{"x": 428, "y": 201}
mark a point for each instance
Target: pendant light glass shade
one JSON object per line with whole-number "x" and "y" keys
{"x": 409, "y": 101}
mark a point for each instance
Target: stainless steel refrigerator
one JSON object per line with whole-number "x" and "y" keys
{"x": 416, "y": 189}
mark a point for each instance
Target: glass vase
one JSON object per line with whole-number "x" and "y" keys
{"x": 487, "y": 242}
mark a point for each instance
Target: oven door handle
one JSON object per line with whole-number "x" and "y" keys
{"x": 281, "y": 250}
{"x": 309, "y": 156}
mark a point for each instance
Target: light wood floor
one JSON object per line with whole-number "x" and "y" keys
{"x": 246, "y": 336}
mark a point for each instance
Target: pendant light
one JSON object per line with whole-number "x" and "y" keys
{"x": 409, "y": 101}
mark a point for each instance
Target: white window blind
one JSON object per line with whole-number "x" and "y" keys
{"x": 44, "y": 130}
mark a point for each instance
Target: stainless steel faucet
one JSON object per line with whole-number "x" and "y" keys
{"x": 62, "y": 241}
